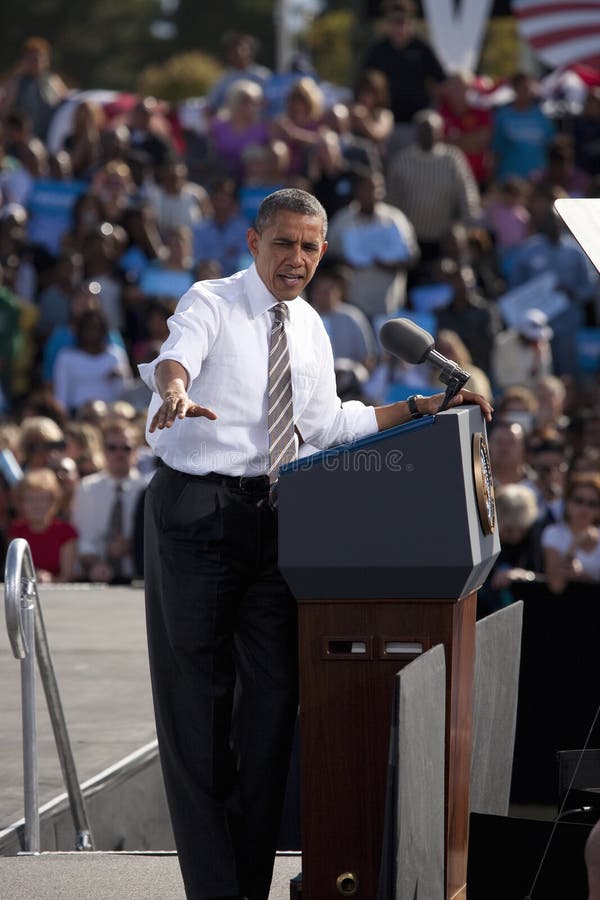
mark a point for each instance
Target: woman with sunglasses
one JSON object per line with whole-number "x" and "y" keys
{"x": 572, "y": 547}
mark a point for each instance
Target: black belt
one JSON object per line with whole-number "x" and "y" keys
{"x": 248, "y": 484}
{"x": 245, "y": 483}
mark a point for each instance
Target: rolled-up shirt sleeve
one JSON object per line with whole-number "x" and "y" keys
{"x": 326, "y": 421}
{"x": 192, "y": 330}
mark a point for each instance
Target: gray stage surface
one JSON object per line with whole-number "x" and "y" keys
{"x": 112, "y": 876}
{"x": 98, "y": 645}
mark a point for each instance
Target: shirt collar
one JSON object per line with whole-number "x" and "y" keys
{"x": 124, "y": 482}
{"x": 260, "y": 299}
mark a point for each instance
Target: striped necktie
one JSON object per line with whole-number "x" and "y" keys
{"x": 282, "y": 443}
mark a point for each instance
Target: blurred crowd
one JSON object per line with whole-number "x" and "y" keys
{"x": 440, "y": 196}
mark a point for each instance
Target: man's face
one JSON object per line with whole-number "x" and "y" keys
{"x": 288, "y": 252}
{"x": 119, "y": 447}
{"x": 551, "y": 469}
{"x": 36, "y": 62}
{"x": 370, "y": 191}
{"x": 241, "y": 53}
{"x": 399, "y": 27}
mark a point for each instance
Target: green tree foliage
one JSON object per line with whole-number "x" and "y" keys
{"x": 500, "y": 56}
{"x": 183, "y": 75}
{"x": 98, "y": 43}
{"x": 201, "y": 27}
{"x": 329, "y": 40}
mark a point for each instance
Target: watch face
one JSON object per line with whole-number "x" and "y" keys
{"x": 484, "y": 484}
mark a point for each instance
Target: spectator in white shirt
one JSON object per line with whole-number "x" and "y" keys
{"x": 572, "y": 547}
{"x": 93, "y": 369}
{"x": 105, "y": 534}
{"x": 377, "y": 241}
{"x": 176, "y": 200}
{"x": 523, "y": 355}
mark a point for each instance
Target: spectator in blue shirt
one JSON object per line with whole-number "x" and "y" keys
{"x": 522, "y": 132}
{"x": 222, "y": 236}
{"x": 348, "y": 328}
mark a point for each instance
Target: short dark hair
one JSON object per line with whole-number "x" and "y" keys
{"x": 376, "y": 81}
{"x": 292, "y": 200}
{"x": 94, "y": 317}
{"x": 120, "y": 425}
{"x": 230, "y": 38}
{"x": 404, "y": 7}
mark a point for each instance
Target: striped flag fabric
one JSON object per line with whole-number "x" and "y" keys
{"x": 561, "y": 32}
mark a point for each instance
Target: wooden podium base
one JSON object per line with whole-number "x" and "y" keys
{"x": 350, "y": 652}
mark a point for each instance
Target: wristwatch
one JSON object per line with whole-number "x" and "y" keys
{"x": 412, "y": 406}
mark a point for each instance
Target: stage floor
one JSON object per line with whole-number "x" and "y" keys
{"x": 98, "y": 645}
{"x": 112, "y": 876}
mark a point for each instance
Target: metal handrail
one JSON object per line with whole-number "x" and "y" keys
{"x": 28, "y": 639}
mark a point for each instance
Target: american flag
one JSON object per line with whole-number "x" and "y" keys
{"x": 561, "y": 32}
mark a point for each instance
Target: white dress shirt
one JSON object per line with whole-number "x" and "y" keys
{"x": 220, "y": 334}
{"x": 92, "y": 507}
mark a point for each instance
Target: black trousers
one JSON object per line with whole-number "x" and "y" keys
{"x": 222, "y": 636}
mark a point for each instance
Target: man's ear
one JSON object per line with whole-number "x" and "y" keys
{"x": 252, "y": 239}
{"x": 323, "y": 249}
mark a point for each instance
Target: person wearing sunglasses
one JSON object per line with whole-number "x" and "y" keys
{"x": 572, "y": 547}
{"x": 41, "y": 443}
{"x": 104, "y": 508}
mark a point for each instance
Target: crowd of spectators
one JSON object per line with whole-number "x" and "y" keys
{"x": 441, "y": 208}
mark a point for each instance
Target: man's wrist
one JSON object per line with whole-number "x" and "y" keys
{"x": 413, "y": 408}
{"x": 175, "y": 390}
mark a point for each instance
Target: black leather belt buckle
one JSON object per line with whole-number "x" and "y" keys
{"x": 250, "y": 484}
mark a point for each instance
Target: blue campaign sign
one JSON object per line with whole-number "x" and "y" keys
{"x": 157, "y": 282}
{"x": 50, "y": 206}
{"x": 426, "y": 298}
{"x": 588, "y": 349}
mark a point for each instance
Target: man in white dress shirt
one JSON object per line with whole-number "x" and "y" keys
{"x": 104, "y": 508}
{"x": 221, "y": 620}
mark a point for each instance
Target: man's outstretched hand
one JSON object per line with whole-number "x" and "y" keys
{"x": 177, "y": 405}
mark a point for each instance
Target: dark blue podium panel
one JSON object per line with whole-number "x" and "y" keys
{"x": 392, "y": 516}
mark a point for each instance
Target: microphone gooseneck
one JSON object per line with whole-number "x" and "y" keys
{"x": 409, "y": 342}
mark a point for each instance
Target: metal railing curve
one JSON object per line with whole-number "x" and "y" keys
{"x": 28, "y": 639}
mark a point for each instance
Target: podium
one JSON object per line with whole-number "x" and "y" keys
{"x": 384, "y": 543}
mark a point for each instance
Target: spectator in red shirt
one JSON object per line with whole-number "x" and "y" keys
{"x": 467, "y": 126}
{"x": 53, "y": 542}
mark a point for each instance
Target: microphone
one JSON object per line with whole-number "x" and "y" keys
{"x": 407, "y": 341}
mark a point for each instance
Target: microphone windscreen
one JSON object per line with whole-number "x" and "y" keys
{"x": 404, "y": 339}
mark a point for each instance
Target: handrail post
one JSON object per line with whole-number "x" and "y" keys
{"x": 30, "y": 744}
{"x": 27, "y": 634}
{"x": 83, "y": 835}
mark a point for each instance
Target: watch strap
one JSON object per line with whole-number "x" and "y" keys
{"x": 412, "y": 406}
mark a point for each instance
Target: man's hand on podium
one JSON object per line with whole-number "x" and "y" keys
{"x": 428, "y": 406}
{"x": 399, "y": 413}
